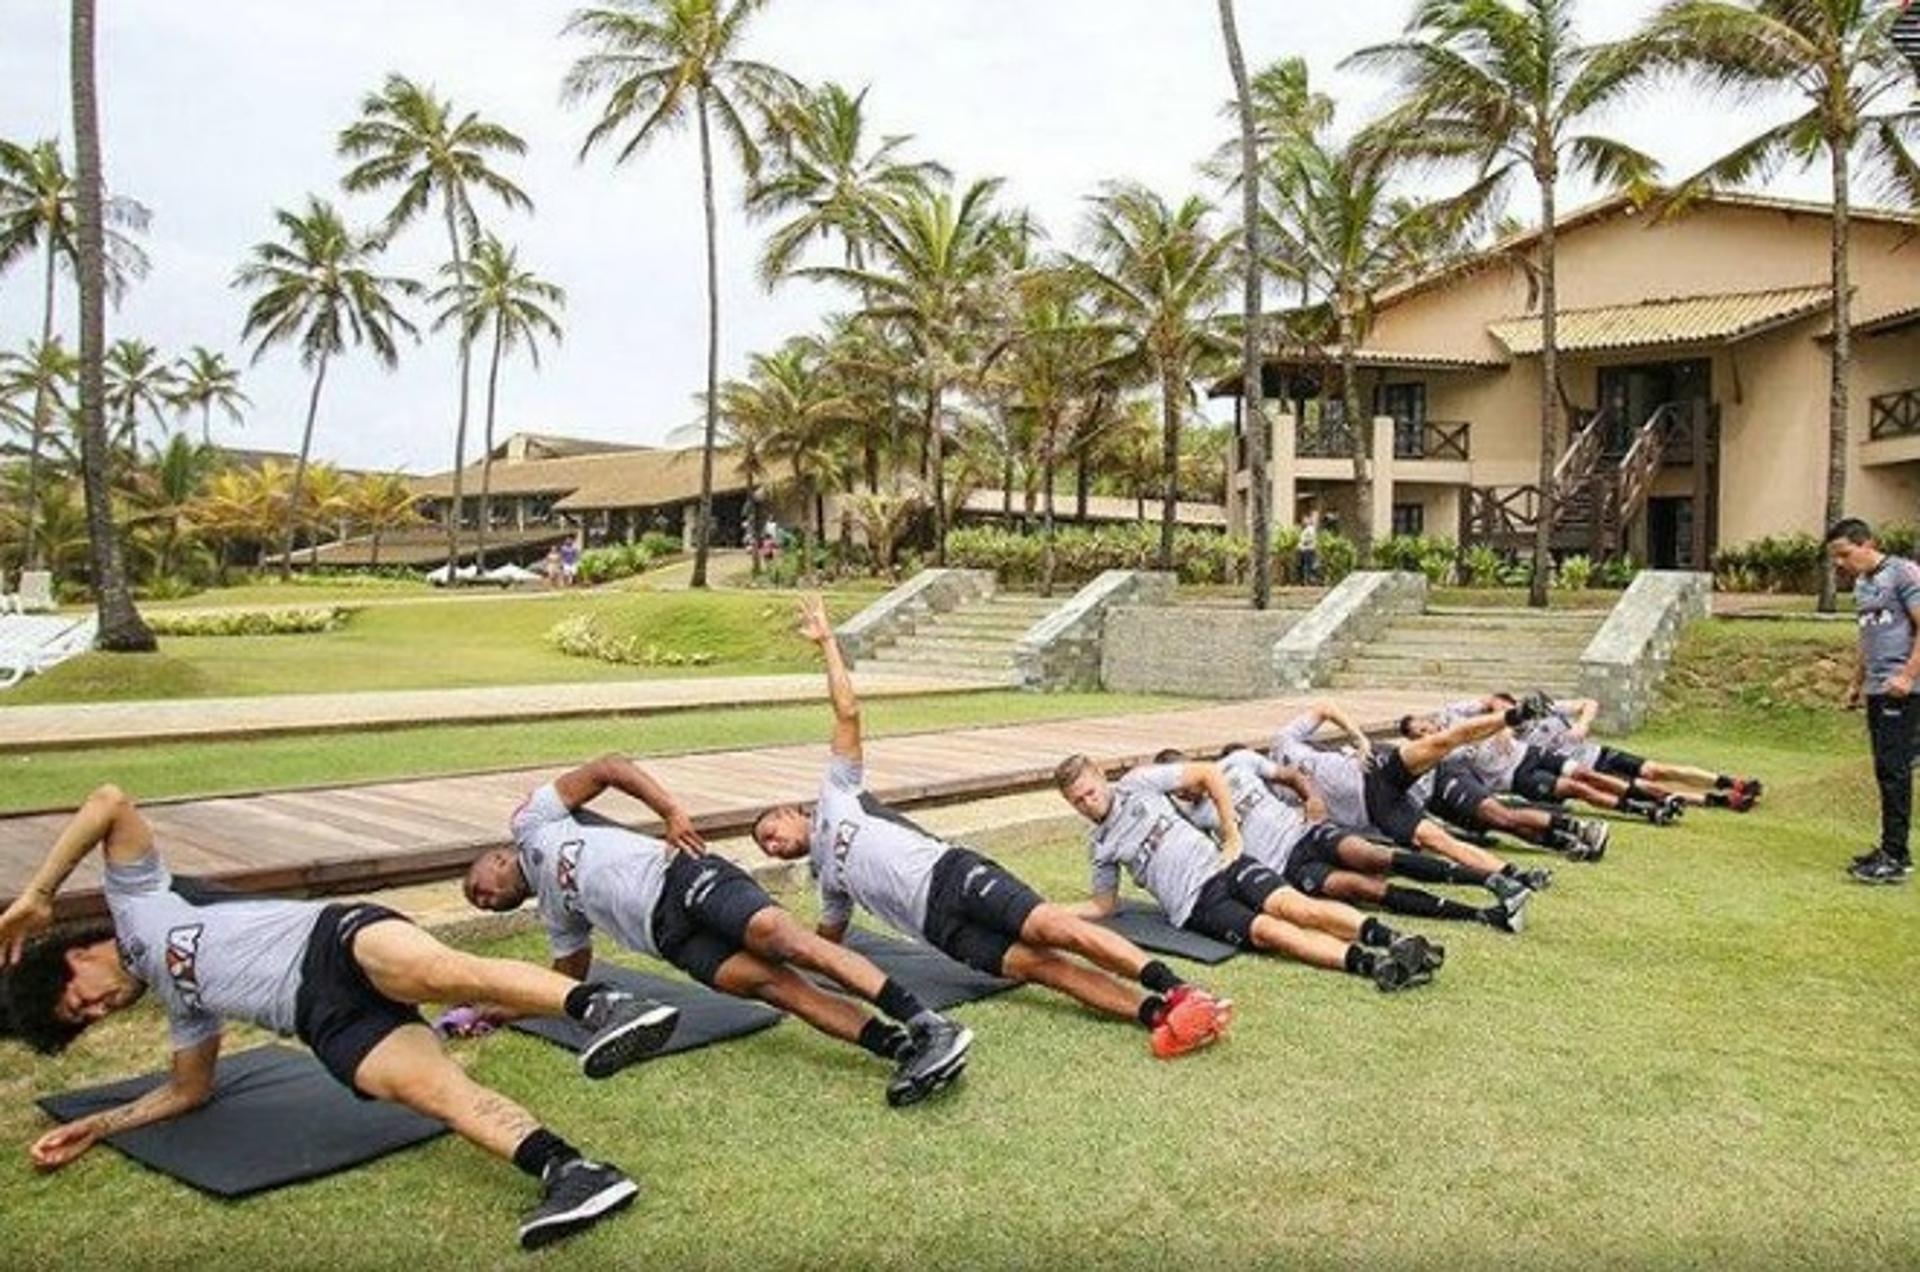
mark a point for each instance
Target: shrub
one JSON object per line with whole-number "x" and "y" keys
{"x": 1898, "y": 537}
{"x": 615, "y": 561}
{"x": 1575, "y": 573}
{"x": 373, "y": 578}
{"x": 1776, "y": 563}
{"x": 582, "y": 637}
{"x": 1482, "y": 566}
{"x": 1338, "y": 557}
{"x": 1438, "y": 564}
{"x": 1615, "y": 572}
{"x": 255, "y": 622}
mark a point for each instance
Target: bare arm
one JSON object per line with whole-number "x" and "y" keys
{"x": 189, "y": 1085}
{"x": 1902, "y": 683}
{"x": 110, "y": 821}
{"x": 583, "y": 785}
{"x": 818, "y": 628}
{"x": 1585, "y": 712}
{"x": 835, "y": 932}
{"x": 1097, "y": 906}
{"x": 1340, "y": 720}
{"x": 1301, "y": 785}
{"x": 1208, "y": 777}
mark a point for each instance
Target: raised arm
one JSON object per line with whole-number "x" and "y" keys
{"x": 110, "y": 821}
{"x": 818, "y": 628}
{"x": 1331, "y": 712}
{"x": 1585, "y": 712}
{"x": 189, "y": 1085}
{"x": 1209, "y": 778}
{"x": 584, "y": 784}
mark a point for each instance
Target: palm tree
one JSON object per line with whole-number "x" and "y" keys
{"x": 408, "y": 137}
{"x": 45, "y": 375}
{"x": 379, "y": 502}
{"x": 657, "y": 65}
{"x": 1252, "y": 396}
{"x": 1336, "y": 227}
{"x": 235, "y": 506}
{"x": 203, "y": 381}
{"x": 748, "y": 427}
{"x": 324, "y": 494}
{"x": 935, "y": 260}
{"x": 798, "y": 402}
{"x": 1507, "y": 85}
{"x": 165, "y": 491}
{"x": 38, "y": 213}
{"x": 1839, "y": 59}
{"x": 319, "y": 288}
{"x": 121, "y": 628}
{"x": 496, "y": 295}
{"x": 1160, "y": 271}
{"x": 138, "y": 381}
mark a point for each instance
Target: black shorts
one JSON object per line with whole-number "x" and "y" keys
{"x": 337, "y": 1011}
{"x": 1458, "y": 793}
{"x": 1315, "y": 855}
{"x": 976, "y": 909}
{"x": 1538, "y": 775}
{"x": 1624, "y": 765}
{"x": 1230, "y": 901}
{"x": 1392, "y": 807}
{"x": 700, "y": 920}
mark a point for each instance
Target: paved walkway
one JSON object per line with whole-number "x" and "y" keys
{"x": 384, "y": 834}
{"x": 66, "y": 726}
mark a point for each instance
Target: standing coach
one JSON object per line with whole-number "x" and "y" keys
{"x": 1886, "y": 595}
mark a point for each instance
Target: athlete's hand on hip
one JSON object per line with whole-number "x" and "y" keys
{"x": 682, "y": 835}
{"x": 62, "y": 1144}
{"x": 1899, "y": 685}
{"x": 30, "y": 914}
{"x": 814, "y": 623}
{"x": 1316, "y": 809}
{"x": 1230, "y": 847}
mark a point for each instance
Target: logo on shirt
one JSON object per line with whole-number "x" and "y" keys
{"x": 566, "y": 872}
{"x": 843, "y": 836}
{"x": 183, "y": 957}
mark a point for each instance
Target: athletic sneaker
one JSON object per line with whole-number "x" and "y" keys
{"x": 1418, "y": 953}
{"x": 1882, "y": 869}
{"x": 625, "y": 1029}
{"x": 1749, "y": 787}
{"x": 575, "y": 1195}
{"x": 1390, "y": 975}
{"x": 1511, "y": 914}
{"x": 935, "y": 1057}
{"x": 1740, "y": 801}
{"x": 1506, "y": 886}
{"x": 1534, "y": 706}
{"x": 1594, "y": 836}
{"x": 1536, "y": 878}
{"x": 1192, "y": 1019}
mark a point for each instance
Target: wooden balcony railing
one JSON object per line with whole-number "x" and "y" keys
{"x": 1434, "y": 439}
{"x": 1895, "y": 415}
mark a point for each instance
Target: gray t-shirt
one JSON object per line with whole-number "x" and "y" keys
{"x": 1554, "y": 732}
{"x": 1271, "y": 822}
{"x": 1337, "y": 775}
{"x": 228, "y": 959}
{"x": 1884, "y": 601}
{"x": 1164, "y": 852}
{"x": 865, "y": 853}
{"x": 588, "y": 876}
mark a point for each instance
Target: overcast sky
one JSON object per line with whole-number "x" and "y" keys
{"x": 217, "y": 111}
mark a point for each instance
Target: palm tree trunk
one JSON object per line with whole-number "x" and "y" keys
{"x": 1047, "y": 464}
{"x": 121, "y": 627}
{"x": 300, "y": 471}
{"x": 1841, "y": 365}
{"x": 1082, "y": 483}
{"x": 703, "y": 529}
{"x": 935, "y": 391}
{"x": 373, "y": 559}
{"x": 1253, "y": 406}
{"x": 206, "y": 423}
{"x": 42, "y": 406}
{"x": 1361, "y": 441}
{"x": 460, "y": 422}
{"x": 1170, "y": 388}
{"x": 1549, "y": 393}
{"x": 753, "y": 531}
{"x": 486, "y": 459}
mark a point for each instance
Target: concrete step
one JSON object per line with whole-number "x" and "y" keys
{"x": 1481, "y": 675}
{"x": 1546, "y": 644}
{"x": 948, "y": 643}
{"x": 887, "y": 662}
{"x": 1028, "y": 606}
{"x": 1559, "y": 688}
{"x": 1494, "y": 622}
{"x": 1011, "y": 625}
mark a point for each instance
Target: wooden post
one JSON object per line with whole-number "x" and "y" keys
{"x": 1703, "y": 511}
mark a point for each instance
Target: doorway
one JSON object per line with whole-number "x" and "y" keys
{"x": 1630, "y": 394}
{"x": 1670, "y": 534}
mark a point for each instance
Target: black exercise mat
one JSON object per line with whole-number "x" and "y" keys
{"x": 706, "y": 1017}
{"x": 1148, "y": 928}
{"x": 937, "y": 981}
{"x": 276, "y": 1118}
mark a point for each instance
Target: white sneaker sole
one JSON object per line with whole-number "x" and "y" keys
{"x": 615, "y": 1049}
{"x": 550, "y": 1228}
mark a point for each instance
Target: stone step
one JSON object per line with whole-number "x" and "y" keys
{"x": 927, "y": 667}
{"x": 1559, "y": 688}
{"x": 945, "y": 642}
{"x": 1553, "y": 644}
{"x": 1501, "y": 622}
{"x": 1034, "y": 606}
{"x": 974, "y": 621}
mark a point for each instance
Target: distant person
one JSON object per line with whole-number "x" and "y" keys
{"x": 1310, "y": 549}
{"x": 1886, "y": 598}
{"x": 569, "y": 561}
{"x": 552, "y": 567}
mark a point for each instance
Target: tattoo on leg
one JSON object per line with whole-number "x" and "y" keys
{"x": 494, "y": 1109}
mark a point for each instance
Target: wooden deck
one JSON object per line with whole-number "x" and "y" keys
{"x": 380, "y": 834}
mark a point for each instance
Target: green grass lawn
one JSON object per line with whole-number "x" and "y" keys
{"x": 63, "y": 778}
{"x": 439, "y": 645}
{"x": 1700, "y": 1054}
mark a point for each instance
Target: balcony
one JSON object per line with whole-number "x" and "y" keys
{"x": 1446, "y": 440}
{"x": 1894, "y": 415}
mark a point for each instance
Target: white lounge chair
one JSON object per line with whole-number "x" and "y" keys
{"x": 36, "y": 592}
{"x": 30, "y": 645}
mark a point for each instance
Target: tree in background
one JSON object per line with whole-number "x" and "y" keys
{"x": 318, "y": 288}
{"x": 1839, "y": 59}
{"x": 40, "y": 385}
{"x": 203, "y": 381}
{"x": 1160, "y": 271}
{"x": 409, "y": 137}
{"x": 379, "y": 503}
{"x": 139, "y": 382}
{"x": 495, "y": 296}
{"x": 658, "y": 65}
{"x": 1507, "y": 85}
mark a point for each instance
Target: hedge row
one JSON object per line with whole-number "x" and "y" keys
{"x": 258, "y": 622}
{"x": 1792, "y": 562}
